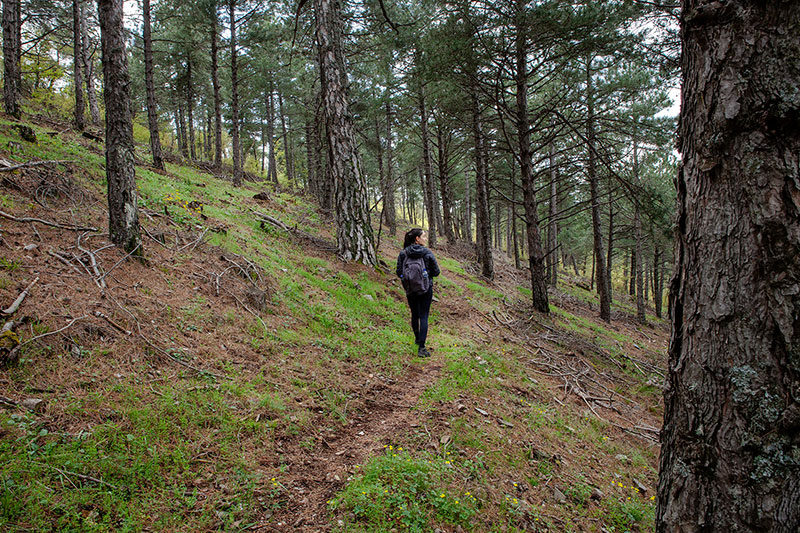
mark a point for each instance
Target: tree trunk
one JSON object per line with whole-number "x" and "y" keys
{"x": 640, "y": 300}
{"x": 390, "y": 214}
{"x": 215, "y": 87}
{"x": 467, "y": 209}
{"x": 658, "y": 277}
{"x": 77, "y": 66}
{"x": 443, "y": 164}
{"x": 514, "y": 223}
{"x": 88, "y": 69}
{"x": 123, "y": 213}
{"x": 600, "y": 268}
{"x": 182, "y": 141}
{"x": 272, "y": 163}
{"x": 287, "y": 144}
{"x": 152, "y": 117}
{"x": 483, "y": 231}
{"x": 610, "y": 253}
{"x": 311, "y": 180}
{"x": 430, "y": 198}
{"x": 632, "y": 289}
{"x": 552, "y": 232}
{"x": 729, "y": 457}
{"x": 353, "y": 230}
{"x": 536, "y": 258}
{"x": 12, "y": 51}
{"x": 190, "y": 108}
{"x": 236, "y": 149}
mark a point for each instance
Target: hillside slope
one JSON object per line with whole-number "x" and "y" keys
{"x": 243, "y": 378}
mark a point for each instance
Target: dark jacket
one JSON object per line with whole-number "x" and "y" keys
{"x": 417, "y": 250}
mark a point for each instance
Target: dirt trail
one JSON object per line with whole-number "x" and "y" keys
{"x": 316, "y": 474}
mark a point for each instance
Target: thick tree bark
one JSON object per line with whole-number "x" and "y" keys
{"x": 390, "y": 214}
{"x": 77, "y": 66}
{"x": 729, "y": 457}
{"x": 88, "y": 69}
{"x": 236, "y": 148}
{"x": 152, "y": 116}
{"x": 599, "y": 262}
{"x": 215, "y": 88}
{"x": 353, "y": 230}
{"x": 123, "y": 212}
{"x": 536, "y": 257}
{"x": 12, "y": 52}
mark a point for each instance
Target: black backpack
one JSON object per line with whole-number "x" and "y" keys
{"x": 415, "y": 276}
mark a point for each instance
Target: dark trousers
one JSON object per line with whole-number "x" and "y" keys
{"x": 420, "y": 305}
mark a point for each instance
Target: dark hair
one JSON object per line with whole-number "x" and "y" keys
{"x": 411, "y": 236}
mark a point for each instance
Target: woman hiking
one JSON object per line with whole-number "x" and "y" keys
{"x": 416, "y": 267}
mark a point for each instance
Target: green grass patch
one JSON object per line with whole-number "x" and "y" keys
{"x": 411, "y": 493}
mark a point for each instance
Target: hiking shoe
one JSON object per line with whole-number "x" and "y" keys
{"x": 423, "y": 352}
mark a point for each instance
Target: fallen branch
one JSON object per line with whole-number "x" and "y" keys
{"x": 33, "y": 164}
{"x": 12, "y": 355}
{"x": 46, "y": 223}
{"x": 14, "y": 306}
{"x": 116, "y": 326}
{"x": 103, "y": 278}
{"x": 194, "y": 243}
{"x": 83, "y": 477}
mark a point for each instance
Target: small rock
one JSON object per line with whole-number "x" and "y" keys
{"x": 445, "y": 439}
{"x": 506, "y": 423}
{"x": 481, "y": 411}
{"x": 336, "y": 477}
{"x": 597, "y": 494}
{"x": 462, "y": 407}
{"x": 33, "y": 404}
{"x": 30, "y": 247}
{"x": 638, "y": 484}
{"x": 558, "y": 496}
{"x": 621, "y": 458}
{"x": 369, "y": 297}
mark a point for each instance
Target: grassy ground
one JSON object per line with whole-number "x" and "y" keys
{"x": 244, "y": 378}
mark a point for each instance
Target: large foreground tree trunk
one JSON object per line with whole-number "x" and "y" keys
{"x": 729, "y": 459}
{"x": 123, "y": 212}
{"x": 12, "y": 52}
{"x": 152, "y": 117}
{"x": 353, "y": 230}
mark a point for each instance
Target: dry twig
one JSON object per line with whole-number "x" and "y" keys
{"x": 14, "y": 306}
{"x": 46, "y": 223}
